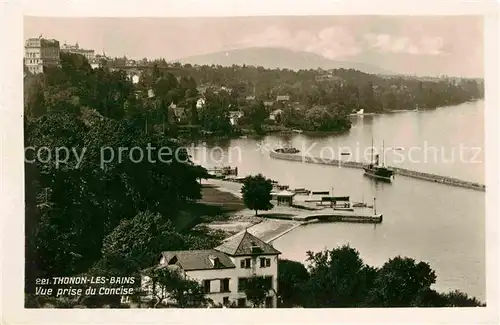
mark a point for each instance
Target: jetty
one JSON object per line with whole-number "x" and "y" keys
{"x": 333, "y": 216}
{"x": 399, "y": 171}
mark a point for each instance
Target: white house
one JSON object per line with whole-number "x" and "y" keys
{"x": 274, "y": 114}
{"x": 234, "y": 116}
{"x": 223, "y": 270}
{"x": 200, "y": 103}
{"x": 282, "y": 98}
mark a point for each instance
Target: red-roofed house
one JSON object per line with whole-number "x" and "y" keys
{"x": 224, "y": 269}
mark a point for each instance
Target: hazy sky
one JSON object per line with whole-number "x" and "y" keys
{"x": 451, "y": 45}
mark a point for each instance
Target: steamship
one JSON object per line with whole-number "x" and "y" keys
{"x": 378, "y": 170}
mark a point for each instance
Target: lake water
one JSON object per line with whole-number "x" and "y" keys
{"x": 435, "y": 223}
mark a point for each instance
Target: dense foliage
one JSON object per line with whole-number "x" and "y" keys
{"x": 165, "y": 98}
{"x": 102, "y": 206}
{"x": 339, "y": 278}
{"x": 292, "y": 277}
{"x": 256, "y": 289}
{"x": 171, "y": 289}
{"x": 347, "y": 87}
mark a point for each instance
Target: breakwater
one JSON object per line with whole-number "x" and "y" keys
{"x": 399, "y": 171}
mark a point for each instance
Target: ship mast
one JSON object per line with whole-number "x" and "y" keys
{"x": 383, "y": 154}
{"x": 372, "y": 152}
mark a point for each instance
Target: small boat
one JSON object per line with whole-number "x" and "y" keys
{"x": 287, "y": 150}
{"x": 297, "y": 131}
{"x": 345, "y": 153}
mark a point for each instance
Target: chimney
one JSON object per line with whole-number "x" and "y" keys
{"x": 214, "y": 260}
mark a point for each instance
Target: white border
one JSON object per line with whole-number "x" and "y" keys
{"x": 12, "y": 188}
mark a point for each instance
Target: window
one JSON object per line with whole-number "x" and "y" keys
{"x": 246, "y": 263}
{"x": 206, "y": 286}
{"x": 242, "y": 302}
{"x": 265, "y": 262}
{"x": 225, "y": 301}
{"x": 224, "y": 285}
{"x": 241, "y": 283}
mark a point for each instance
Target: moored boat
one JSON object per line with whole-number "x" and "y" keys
{"x": 378, "y": 170}
{"x": 287, "y": 150}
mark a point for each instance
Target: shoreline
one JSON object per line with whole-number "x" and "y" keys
{"x": 263, "y": 228}
{"x": 280, "y": 220}
{"x": 247, "y": 131}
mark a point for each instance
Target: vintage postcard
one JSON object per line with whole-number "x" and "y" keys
{"x": 313, "y": 164}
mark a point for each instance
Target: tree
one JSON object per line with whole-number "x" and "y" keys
{"x": 215, "y": 114}
{"x": 34, "y": 98}
{"x": 80, "y": 202}
{"x": 337, "y": 278}
{"x": 400, "y": 281}
{"x": 169, "y": 284}
{"x": 258, "y": 115}
{"x": 256, "y": 289}
{"x": 322, "y": 118}
{"x": 194, "y": 113}
{"x": 292, "y": 277}
{"x": 135, "y": 243}
{"x": 457, "y": 298}
{"x": 256, "y": 192}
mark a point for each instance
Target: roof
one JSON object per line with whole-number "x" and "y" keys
{"x": 197, "y": 259}
{"x": 242, "y": 243}
{"x": 282, "y": 97}
{"x": 285, "y": 193}
{"x": 250, "y": 98}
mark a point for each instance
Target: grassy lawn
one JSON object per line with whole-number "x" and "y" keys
{"x": 214, "y": 205}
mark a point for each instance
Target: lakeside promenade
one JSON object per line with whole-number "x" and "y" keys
{"x": 280, "y": 220}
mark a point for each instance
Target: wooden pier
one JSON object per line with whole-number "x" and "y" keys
{"x": 398, "y": 171}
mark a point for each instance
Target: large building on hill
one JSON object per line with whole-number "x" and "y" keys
{"x": 39, "y": 53}
{"x": 224, "y": 270}
{"x": 75, "y": 49}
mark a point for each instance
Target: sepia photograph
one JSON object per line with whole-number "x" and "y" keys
{"x": 270, "y": 162}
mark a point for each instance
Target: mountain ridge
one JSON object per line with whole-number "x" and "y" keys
{"x": 275, "y": 57}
